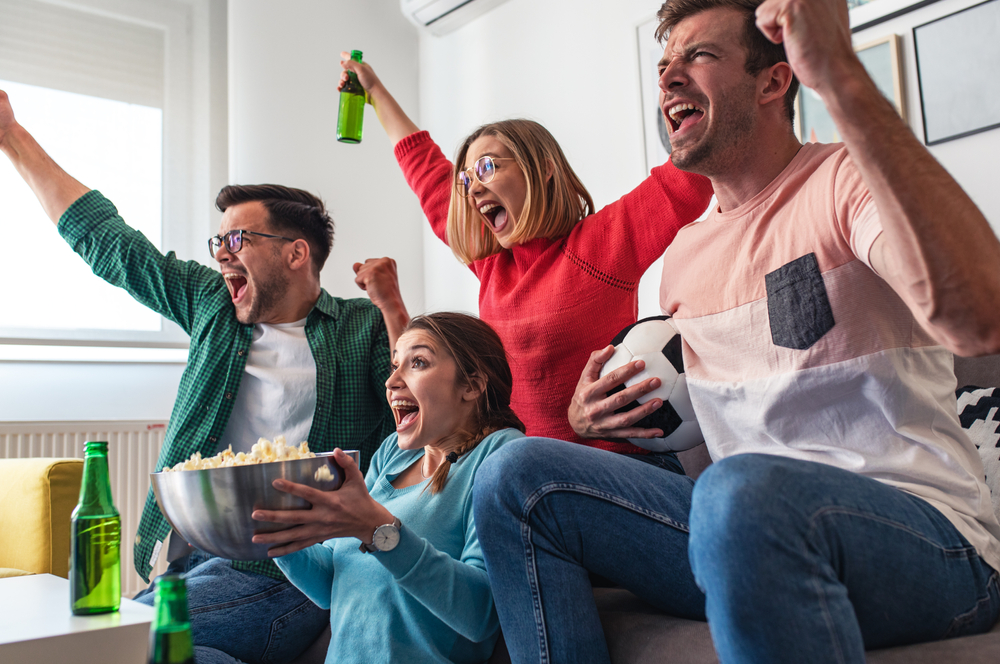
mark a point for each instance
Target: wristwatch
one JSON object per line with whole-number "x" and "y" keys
{"x": 386, "y": 538}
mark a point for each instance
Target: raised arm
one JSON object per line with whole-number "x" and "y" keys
{"x": 625, "y": 237}
{"x": 391, "y": 116}
{"x": 426, "y": 169}
{"x": 937, "y": 250}
{"x": 378, "y": 278}
{"x": 55, "y": 189}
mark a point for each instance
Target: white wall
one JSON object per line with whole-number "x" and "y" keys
{"x": 572, "y": 65}
{"x": 284, "y": 67}
{"x": 87, "y": 391}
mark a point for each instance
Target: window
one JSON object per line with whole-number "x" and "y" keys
{"x": 121, "y": 96}
{"x": 117, "y": 147}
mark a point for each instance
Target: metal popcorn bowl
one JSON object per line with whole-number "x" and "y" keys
{"x": 211, "y": 508}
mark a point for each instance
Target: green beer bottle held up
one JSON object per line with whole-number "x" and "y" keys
{"x": 95, "y": 575}
{"x": 170, "y": 639}
{"x": 352, "y": 107}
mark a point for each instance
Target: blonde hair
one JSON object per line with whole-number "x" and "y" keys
{"x": 552, "y": 205}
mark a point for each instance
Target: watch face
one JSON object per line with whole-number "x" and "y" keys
{"x": 386, "y": 538}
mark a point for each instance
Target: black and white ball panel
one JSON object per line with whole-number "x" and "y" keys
{"x": 656, "y": 341}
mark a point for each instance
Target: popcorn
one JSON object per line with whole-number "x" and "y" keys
{"x": 323, "y": 474}
{"x": 263, "y": 451}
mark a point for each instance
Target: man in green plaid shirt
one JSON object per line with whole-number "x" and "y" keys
{"x": 270, "y": 353}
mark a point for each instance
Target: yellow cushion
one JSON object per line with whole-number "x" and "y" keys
{"x": 37, "y": 497}
{"x": 6, "y": 572}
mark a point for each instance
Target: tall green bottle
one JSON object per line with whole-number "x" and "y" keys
{"x": 95, "y": 576}
{"x": 170, "y": 639}
{"x": 352, "y": 107}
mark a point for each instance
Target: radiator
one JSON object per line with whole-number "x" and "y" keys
{"x": 132, "y": 451}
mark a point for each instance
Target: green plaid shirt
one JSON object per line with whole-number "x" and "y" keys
{"x": 347, "y": 337}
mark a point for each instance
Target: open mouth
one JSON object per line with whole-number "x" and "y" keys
{"x": 495, "y": 215}
{"x": 405, "y": 412}
{"x": 683, "y": 116}
{"x": 237, "y": 284}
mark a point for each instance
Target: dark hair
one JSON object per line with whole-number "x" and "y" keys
{"x": 290, "y": 211}
{"x": 478, "y": 354}
{"x": 761, "y": 51}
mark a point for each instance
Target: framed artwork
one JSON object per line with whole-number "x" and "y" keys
{"x": 654, "y": 127}
{"x": 866, "y": 13}
{"x": 959, "y": 99}
{"x": 881, "y": 59}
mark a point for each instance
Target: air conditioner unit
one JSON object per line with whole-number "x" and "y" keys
{"x": 440, "y": 17}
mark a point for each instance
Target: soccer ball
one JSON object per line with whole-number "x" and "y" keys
{"x": 657, "y": 342}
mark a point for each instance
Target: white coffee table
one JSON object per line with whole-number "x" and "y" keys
{"x": 36, "y": 625}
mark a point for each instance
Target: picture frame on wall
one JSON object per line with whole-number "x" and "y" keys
{"x": 654, "y": 127}
{"x": 882, "y": 59}
{"x": 959, "y": 99}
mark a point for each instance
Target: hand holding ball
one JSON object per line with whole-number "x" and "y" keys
{"x": 656, "y": 341}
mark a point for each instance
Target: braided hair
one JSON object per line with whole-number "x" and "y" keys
{"x": 479, "y": 357}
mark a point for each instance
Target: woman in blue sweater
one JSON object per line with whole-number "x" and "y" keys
{"x": 416, "y": 589}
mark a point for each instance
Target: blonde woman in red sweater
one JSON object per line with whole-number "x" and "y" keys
{"x": 557, "y": 279}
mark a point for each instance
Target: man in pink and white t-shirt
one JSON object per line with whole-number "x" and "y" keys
{"x": 819, "y": 306}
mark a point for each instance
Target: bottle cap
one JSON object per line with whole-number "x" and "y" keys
{"x": 170, "y": 581}
{"x": 95, "y": 446}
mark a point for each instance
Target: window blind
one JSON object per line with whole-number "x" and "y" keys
{"x": 58, "y": 47}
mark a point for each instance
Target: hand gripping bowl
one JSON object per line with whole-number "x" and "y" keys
{"x": 211, "y": 508}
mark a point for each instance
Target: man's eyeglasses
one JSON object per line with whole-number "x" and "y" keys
{"x": 234, "y": 240}
{"x": 484, "y": 169}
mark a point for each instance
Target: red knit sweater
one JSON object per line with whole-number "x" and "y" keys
{"x": 554, "y": 301}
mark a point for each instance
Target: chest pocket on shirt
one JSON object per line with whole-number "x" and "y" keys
{"x": 798, "y": 308}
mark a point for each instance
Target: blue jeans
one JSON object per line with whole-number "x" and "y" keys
{"x": 241, "y": 616}
{"x": 664, "y": 460}
{"x": 799, "y": 562}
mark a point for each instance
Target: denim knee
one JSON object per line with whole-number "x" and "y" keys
{"x": 732, "y": 501}
{"x": 501, "y": 479}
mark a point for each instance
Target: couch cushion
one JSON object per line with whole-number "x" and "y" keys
{"x": 7, "y": 572}
{"x": 983, "y": 371}
{"x": 37, "y": 497}
{"x": 695, "y": 460}
{"x": 637, "y": 633}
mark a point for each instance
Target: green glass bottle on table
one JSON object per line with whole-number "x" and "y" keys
{"x": 95, "y": 576}
{"x": 351, "y": 116}
{"x": 170, "y": 639}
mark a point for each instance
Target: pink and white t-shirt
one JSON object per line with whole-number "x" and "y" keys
{"x": 794, "y": 346}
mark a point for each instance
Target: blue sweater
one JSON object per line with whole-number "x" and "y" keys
{"x": 427, "y": 600}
